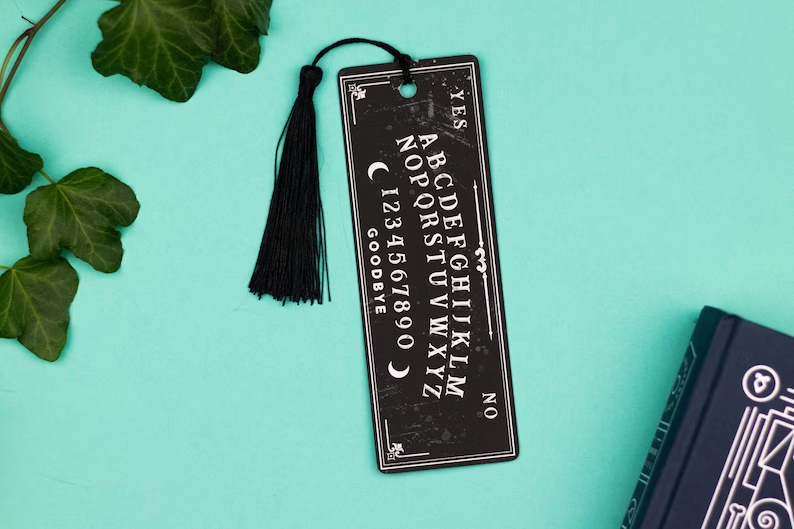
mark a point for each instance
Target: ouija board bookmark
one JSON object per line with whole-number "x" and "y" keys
{"x": 428, "y": 265}
{"x": 428, "y": 262}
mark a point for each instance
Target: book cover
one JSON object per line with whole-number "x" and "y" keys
{"x": 721, "y": 457}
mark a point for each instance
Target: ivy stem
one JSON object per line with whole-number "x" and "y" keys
{"x": 8, "y": 58}
{"x": 5, "y": 67}
{"x": 26, "y": 36}
{"x": 45, "y": 175}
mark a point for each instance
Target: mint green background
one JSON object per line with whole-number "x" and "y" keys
{"x": 642, "y": 158}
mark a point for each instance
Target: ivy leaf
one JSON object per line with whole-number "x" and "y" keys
{"x": 241, "y": 22}
{"x": 163, "y": 44}
{"x": 34, "y": 304}
{"x": 81, "y": 213}
{"x": 17, "y": 166}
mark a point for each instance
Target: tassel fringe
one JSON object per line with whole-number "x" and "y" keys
{"x": 292, "y": 263}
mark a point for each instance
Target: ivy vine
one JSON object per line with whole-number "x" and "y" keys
{"x": 162, "y": 44}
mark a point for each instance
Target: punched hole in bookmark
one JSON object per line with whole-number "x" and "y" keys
{"x": 408, "y": 90}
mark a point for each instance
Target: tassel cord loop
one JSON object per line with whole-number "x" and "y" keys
{"x": 400, "y": 58}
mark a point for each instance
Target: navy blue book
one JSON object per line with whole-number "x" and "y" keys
{"x": 722, "y": 454}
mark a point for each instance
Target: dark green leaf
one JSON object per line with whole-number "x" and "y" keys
{"x": 81, "y": 213}
{"x": 162, "y": 44}
{"x": 241, "y": 22}
{"x": 17, "y": 166}
{"x": 34, "y": 304}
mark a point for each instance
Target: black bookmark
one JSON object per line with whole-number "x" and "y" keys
{"x": 427, "y": 254}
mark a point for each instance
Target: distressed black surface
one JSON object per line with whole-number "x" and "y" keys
{"x": 425, "y": 431}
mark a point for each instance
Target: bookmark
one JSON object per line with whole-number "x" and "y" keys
{"x": 426, "y": 248}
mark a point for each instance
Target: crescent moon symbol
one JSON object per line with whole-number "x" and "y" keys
{"x": 376, "y": 166}
{"x": 398, "y": 374}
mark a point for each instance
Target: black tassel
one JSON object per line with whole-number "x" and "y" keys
{"x": 292, "y": 263}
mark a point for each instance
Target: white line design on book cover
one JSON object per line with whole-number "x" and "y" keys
{"x": 754, "y": 490}
{"x": 660, "y": 438}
